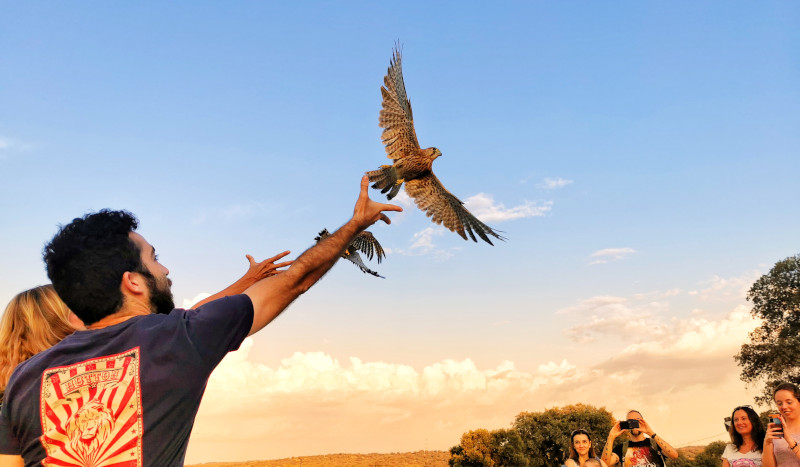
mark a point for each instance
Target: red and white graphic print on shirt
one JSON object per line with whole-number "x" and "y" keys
{"x": 91, "y": 413}
{"x": 641, "y": 457}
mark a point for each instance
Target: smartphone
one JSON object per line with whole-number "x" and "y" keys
{"x": 628, "y": 424}
{"x": 775, "y": 419}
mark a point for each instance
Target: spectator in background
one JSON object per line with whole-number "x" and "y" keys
{"x": 747, "y": 439}
{"x": 34, "y": 320}
{"x": 581, "y": 450}
{"x": 780, "y": 442}
{"x": 639, "y": 450}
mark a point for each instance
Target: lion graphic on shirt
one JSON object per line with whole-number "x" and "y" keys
{"x": 89, "y": 428}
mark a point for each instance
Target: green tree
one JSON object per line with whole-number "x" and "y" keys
{"x": 475, "y": 450}
{"x": 710, "y": 457}
{"x": 508, "y": 449}
{"x": 771, "y": 355}
{"x": 546, "y": 435}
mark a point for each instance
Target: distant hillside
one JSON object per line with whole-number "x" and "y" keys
{"x": 405, "y": 459}
{"x": 402, "y": 459}
{"x": 690, "y": 452}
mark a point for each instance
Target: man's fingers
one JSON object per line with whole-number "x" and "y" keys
{"x": 250, "y": 260}
{"x": 391, "y": 207}
{"x": 283, "y": 264}
{"x": 385, "y": 218}
{"x": 278, "y": 256}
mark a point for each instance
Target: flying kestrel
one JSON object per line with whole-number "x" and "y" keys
{"x": 413, "y": 165}
{"x": 364, "y": 242}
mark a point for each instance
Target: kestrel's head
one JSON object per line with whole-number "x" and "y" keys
{"x": 433, "y": 153}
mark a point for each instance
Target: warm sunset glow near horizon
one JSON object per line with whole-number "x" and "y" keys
{"x": 641, "y": 158}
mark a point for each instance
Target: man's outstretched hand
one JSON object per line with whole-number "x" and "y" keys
{"x": 367, "y": 211}
{"x": 266, "y": 268}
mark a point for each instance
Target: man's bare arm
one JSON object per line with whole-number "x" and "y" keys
{"x": 272, "y": 295}
{"x": 608, "y": 456}
{"x": 668, "y": 450}
{"x": 254, "y": 273}
{"x": 7, "y": 460}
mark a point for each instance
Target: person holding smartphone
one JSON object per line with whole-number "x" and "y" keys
{"x": 783, "y": 431}
{"x": 640, "y": 450}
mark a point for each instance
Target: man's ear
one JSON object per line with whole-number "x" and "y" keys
{"x": 134, "y": 283}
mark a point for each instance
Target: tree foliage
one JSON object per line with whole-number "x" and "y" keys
{"x": 709, "y": 457}
{"x": 508, "y": 449}
{"x": 475, "y": 450}
{"x": 771, "y": 356}
{"x": 546, "y": 435}
{"x": 535, "y": 439}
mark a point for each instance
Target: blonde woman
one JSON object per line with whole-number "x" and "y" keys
{"x": 34, "y": 320}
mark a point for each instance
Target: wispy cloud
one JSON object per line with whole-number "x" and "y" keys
{"x": 726, "y": 288}
{"x": 10, "y": 145}
{"x": 554, "y": 183}
{"x": 610, "y": 254}
{"x": 423, "y": 243}
{"x": 484, "y": 208}
{"x": 617, "y": 318}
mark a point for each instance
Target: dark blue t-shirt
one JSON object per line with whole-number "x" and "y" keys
{"x": 124, "y": 395}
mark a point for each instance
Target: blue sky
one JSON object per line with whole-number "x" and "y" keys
{"x": 641, "y": 158}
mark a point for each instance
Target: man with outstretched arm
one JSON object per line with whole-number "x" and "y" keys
{"x": 640, "y": 450}
{"x": 126, "y": 390}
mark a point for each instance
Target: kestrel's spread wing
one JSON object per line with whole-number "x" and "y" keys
{"x": 444, "y": 208}
{"x": 414, "y": 166}
{"x": 355, "y": 258}
{"x": 395, "y": 117}
{"x": 364, "y": 242}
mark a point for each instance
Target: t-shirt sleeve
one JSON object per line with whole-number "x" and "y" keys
{"x": 727, "y": 452}
{"x": 8, "y": 443}
{"x": 618, "y": 451}
{"x": 219, "y": 327}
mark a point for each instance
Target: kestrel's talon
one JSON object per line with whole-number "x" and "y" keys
{"x": 400, "y": 181}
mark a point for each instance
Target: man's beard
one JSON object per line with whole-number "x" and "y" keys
{"x": 161, "y": 300}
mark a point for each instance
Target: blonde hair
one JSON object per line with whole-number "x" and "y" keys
{"x": 34, "y": 321}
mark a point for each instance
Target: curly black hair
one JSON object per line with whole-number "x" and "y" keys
{"x": 87, "y": 258}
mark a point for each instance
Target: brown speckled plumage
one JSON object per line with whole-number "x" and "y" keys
{"x": 414, "y": 166}
{"x": 364, "y": 242}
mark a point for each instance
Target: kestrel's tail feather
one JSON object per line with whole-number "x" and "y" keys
{"x": 385, "y": 180}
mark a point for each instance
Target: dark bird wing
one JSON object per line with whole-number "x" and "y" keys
{"x": 366, "y": 243}
{"x": 395, "y": 117}
{"x": 355, "y": 258}
{"x": 444, "y": 208}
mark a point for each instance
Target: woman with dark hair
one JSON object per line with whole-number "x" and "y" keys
{"x": 581, "y": 450}
{"x": 780, "y": 442}
{"x": 747, "y": 439}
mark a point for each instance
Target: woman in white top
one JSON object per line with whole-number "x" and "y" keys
{"x": 747, "y": 439}
{"x": 780, "y": 443}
